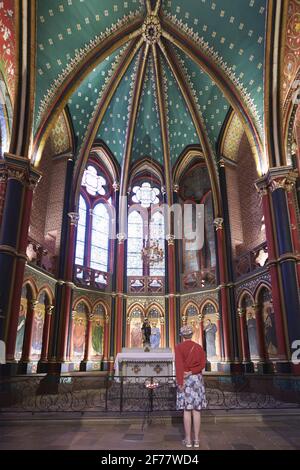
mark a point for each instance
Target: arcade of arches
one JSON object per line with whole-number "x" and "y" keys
{"x": 118, "y": 110}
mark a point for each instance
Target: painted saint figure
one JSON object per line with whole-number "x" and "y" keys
{"x": 97, "y": 337}
{"x": 20, "y": 332}
{"x": 155, "y": 336}
{"x": 270, "y": 332}
{"x": 252, "y": 336}
{"x": 210, "y": 331}
{"x": 136, "y": 336}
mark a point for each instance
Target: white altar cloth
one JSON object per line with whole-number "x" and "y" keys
{"x": 144, "y": 364}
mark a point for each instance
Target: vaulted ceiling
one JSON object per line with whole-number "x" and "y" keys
{"x": 227, "y": 35}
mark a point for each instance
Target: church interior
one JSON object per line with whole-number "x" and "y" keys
{"x": 111, "y": 110}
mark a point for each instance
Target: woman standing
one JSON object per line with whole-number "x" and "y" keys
{"x": 190, "y": 361}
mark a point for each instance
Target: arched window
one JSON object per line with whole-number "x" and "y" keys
{"x": 81, "y": 232}
{"x": 100, "y": 238}
{"x": 146, "y": 233}
{"x": 157, "y": 233}
{"x": 93, "y": 245}
{"x": 135, "y": 244}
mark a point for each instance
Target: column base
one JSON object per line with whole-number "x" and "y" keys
{"x": 283, "y": 367}
{"x": 10, "y": 369}
{"x": 265, "y": 368}
{"x": 42, "y": 367}
{"x": 60, "y": 367}
{"x": 27, "y": 368}
{"x": 89, "y": 366}
{"x": 248, "y": 367}
{"x": 231, "y": 367}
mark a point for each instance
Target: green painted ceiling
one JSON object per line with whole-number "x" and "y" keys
{"x": 114, "y": 125}
{"x": 84, "y": 101}
{"x": 233, "y": 30}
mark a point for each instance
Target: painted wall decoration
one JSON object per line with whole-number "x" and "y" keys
{"x": 268, "y": 315}
{"x": 292, "y": 47}
{"x": 98, "y": 332}
{"x": 7, "y": 44}
{"x": 247, "y": 305}
{"x": 211, "y": 332}
{"x": 192, "y": 319}
{"x": 135, "y": 328}
{"x": 38, "y": 327}
{"x": 6, "y": 117}
{"x": 21, "y": 326}
{"x": 155, "y": 323}
{"x": 79, "y": 331}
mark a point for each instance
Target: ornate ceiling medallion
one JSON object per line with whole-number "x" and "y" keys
{"x": 151, "y": 29}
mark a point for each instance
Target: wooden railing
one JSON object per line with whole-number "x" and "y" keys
{"x": 41, "y": 257}
{"x": 146, "y": 285}
{"x": 198, "y": 280}
{"x": 251, "y": 261}
{"x": 92, "y": 278}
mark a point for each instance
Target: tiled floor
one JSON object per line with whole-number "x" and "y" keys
{"x": 229, "y": 433}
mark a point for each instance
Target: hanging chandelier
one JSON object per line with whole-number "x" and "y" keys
{"x": 152, "y": 254}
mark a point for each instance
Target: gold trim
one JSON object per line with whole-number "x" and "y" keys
{"x": 188, "y": 97}
{"x": 163, "y": 123}
{"x": 257, "y": 148}
{"x": 73, "y": 80}
{"x": 103, "y": 105}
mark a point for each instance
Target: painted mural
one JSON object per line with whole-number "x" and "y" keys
{"x": 21, "y": 327}
{"x": 79, "y": 331}
{"x": 135, "y": 328}
{"x": 98, "y": 321}
{"x": 7, "y": 44}
{"x": 192, "y": 319}
{"x": 155, "y": 323}
{"x": 37, "y": 328}
{"x": 268, "y": 315}
{"x": 211, "y": 333}
{"x": 247, "y": 304}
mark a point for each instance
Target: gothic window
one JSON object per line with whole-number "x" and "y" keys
{"x": 146, "y": 233}
{"x": 135, "y": 244}
{"x": 94, "y": 227}
{"x": 81, "y": 232}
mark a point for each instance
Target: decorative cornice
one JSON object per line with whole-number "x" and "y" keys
{"x": 277, "y": 178}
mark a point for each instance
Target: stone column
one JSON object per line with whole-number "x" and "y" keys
{"x": 22, "y": 179}
{"x": 25, "y": 359}
{"x": 248, "y": 366}
{"x": 172, "y": 291}
{"x": 46, "y": 339}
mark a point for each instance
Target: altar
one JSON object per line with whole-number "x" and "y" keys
{"x": 138, "y": 363}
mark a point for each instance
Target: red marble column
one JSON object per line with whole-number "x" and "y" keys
{"x": 120, "y": 263}
{"x": 291, "y": 199}
{"x": 219, "y": 225}
{"x": 28, "y": 331}
{"x": 71, "y": 349}
{"x": 172, "y": 290}
{"x": 243, "y": 335}
{"x": 46, "y": 333}
{"x": 67, "y": 289}
{"x": 106, "y": 345}
{"x": 30, "y": 182}
{"x": 280, "y": 327}
{"x": 3, "y": 183}
{"x": 260, "y": 333}
{"x": 88, "y": 340}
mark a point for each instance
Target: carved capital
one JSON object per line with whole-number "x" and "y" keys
{"x": 33, "y": 304}
{"x": 171, "y": 240}
{"x": 121, "y": 238}
{"x": 219, "y": 224}
{"x": 241, "y": 312}
{"x": 49, "y": 310}
{"x": 74, "y": 218}
{"x": 176, "y": 188}
{"x": 116, "y": 186}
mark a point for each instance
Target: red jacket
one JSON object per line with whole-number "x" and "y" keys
{"x": 189, "y": 357}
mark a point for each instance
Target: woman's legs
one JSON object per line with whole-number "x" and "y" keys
{"x": 196, "y": 424}
{"x": 187, "y": 419}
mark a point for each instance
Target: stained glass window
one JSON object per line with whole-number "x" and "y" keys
{"x": 100, "y": 238}
{"x": 135, "y": 244}
{"x": 93, "y": 182}
{"x": 157, "y": 234}
{"x": 145, "y": 195}
{"x": 81, "y": 233}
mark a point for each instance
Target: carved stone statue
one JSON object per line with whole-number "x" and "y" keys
{"x": 146, "y": 330}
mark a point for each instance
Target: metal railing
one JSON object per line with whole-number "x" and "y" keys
{"x": 110, "y": 395}
{"x": 251, "y": 261}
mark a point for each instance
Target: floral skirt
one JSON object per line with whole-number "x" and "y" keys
{"x": 192, "y": 397}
